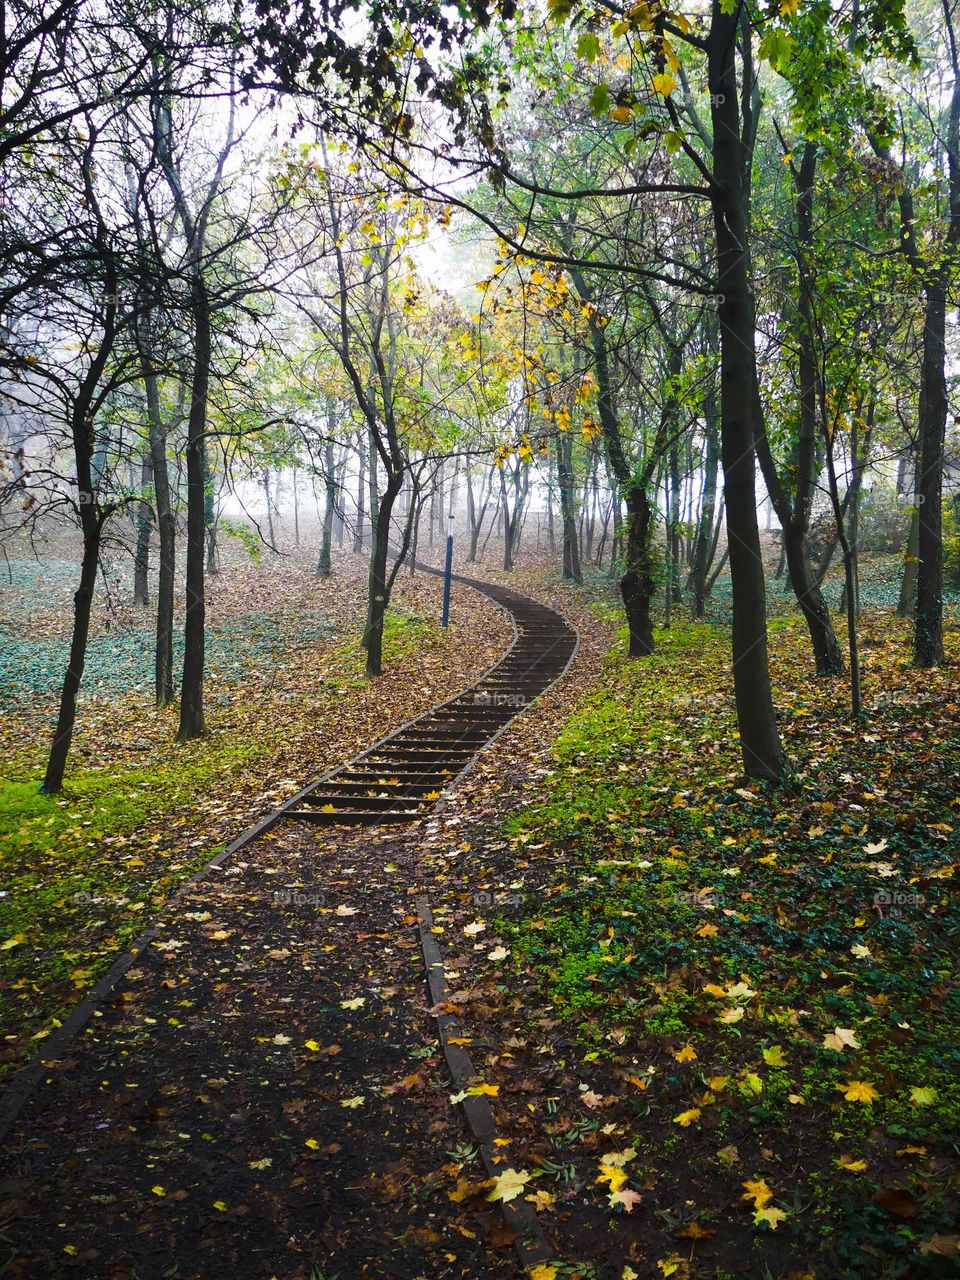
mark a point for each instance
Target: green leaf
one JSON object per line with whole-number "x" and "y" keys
{"x": 776, "y": 48}
{"x": 600, "y": 100}
{"x": 588, "y": 47}
{"x": 673, "y": 141}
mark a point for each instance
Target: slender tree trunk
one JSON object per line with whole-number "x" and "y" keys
{"x": 166, "y": 527}
{"x": 378, "y": 595}
{"x": 928, "y": 622}
{"x": 141, "y": 563}
{"x": 191, "y": 689}
{"x": 850, "y": 590}
{"x": 265, "y": 481}
{"x": 361, "y": 497}
{"x": 638, "y": 584}
{"x": 507, "y": 528}
{"x": 708, "y": 507}
{"x": 82, "y": 606}
{"x": 565, "y": 486}
{"x": 907, "y": 605}
{"x": 762, "y": 753}
{"x": 330, "y": 502}
{"x": 209, "y": 514}
{"x": 551, "y": 535}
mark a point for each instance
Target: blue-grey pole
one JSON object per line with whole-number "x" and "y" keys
{"x": 447, "y": 571}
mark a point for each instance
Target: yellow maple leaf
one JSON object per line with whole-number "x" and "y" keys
{"x": 613, "y": 1175}
{"x": 542, "y": 1271}
{"x": 686, "y": 1118}
{"x": 858, "y": 1091}
{"x": 921, "y": 1097}
{"x": 686, "y": 1054}
{"x": 508, "y": 1185}
{"x": 757, "y": 1191}
{"x": 770, "y": 1216}
{"x": 854, "y": 1166}
{"x": 664, "y": 84}
{"x": 773, "y": 1056}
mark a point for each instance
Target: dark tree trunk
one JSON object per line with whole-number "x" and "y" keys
{"x": 638, "y": 584}
{"x": 330, "y": 502}
{"x": 209, "y": 514}
{"x": 928, "y": 619}
{"x": 265, "y": 480}
{"x": 82, "y": 605}
{"x": 704, "y": 540}
{"x": 191, "y": 690}
{"x": 361, "y": 498}
{"x": 91, "y": 525}
{"x": 565, "y": 486}
{"x": 907, "y": 605}
{"x": 166, "y": 528}
{"x": 378, "y": 594}
{"x": 762, "y": 753}
{"x": 794, "y": 516}
{"x": 141, "y": 563}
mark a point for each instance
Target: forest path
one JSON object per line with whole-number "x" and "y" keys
{"x": 263, "y": 1092}
{"x": 401, "y": 776}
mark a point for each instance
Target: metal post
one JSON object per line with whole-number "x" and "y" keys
{"x": 447, "y": 571}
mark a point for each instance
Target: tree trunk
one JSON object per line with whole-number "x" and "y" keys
{"x": 141, "y": 563}
{"x": 565, "y": 483}
{"x": 907, "y": 605}
{"x": 638, "y": 584}
{"x": 932, "y": 422}
{"x": 361, "y": 497}
{"x": 166, "y": 529}
{"x": 704, "y": 539}
{"x": 762, "y": 753}
{"x": 330, "y": 502}
{"x": 378, "y": 595}
{"x": 209, "y": 514}
{"x": 191, "y": 689}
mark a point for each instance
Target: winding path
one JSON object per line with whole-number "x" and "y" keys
{"x": 402, "y": 776}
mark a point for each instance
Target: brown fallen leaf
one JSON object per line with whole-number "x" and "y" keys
{"x": 896, "y": 1201}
